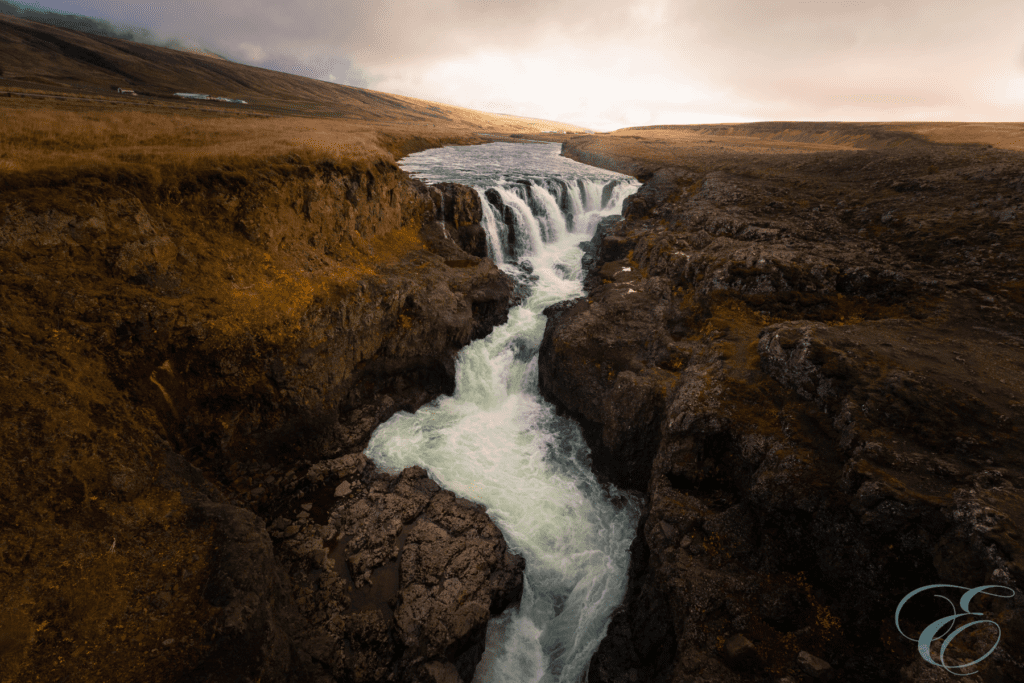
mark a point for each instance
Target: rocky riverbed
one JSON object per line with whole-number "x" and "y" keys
{"x": 811, "y": 361}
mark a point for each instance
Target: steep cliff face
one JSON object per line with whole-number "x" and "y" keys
{"x": 818, "y": 386}
{"x": 174, "y": 356}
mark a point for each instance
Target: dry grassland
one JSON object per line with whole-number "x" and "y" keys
{"x": 754, "y": 147}
{"x": 661, "y": 143}
{"x": 1001, "y": 135}
{"x": 49, "y": 142}
{"x": 41, "y": 142}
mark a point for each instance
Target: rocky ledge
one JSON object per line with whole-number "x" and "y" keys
{"x": 813, "y": 367}
{"x": 370, "y": 577}
{"x": 177, "y": 358}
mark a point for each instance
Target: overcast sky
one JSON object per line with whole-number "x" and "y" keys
{"x": 608, "y": 64}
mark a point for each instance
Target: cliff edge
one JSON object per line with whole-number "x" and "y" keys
{"x": 811, "y": 362}
{"x": 178, "y": 355}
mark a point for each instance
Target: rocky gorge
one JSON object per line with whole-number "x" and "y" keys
{"x": 190, "y": 370}
{"x": 811, "y": 363}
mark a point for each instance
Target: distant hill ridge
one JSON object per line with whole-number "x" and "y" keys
{"x": 32, "y": 52}
{"x": 96, "y": 27}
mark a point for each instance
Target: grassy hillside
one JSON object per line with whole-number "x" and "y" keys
{"x": 34, "y": 54}
{"x": 63, "y": 119}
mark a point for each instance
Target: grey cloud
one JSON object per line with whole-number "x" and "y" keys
{"x": 791, "y": 58}
{"x": 322, "y": 67}
{"x": 403, "y": 31}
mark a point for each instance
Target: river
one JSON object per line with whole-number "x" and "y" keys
{"x": 498, "y": 442}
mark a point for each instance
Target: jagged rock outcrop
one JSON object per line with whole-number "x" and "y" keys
{"x": 241, "y": 323}
{"x": 818, "y": 390}
{"x": 395, "y": 576}
{"x": 459, "y": 207}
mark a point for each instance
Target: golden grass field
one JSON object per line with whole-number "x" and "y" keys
{"x": 61, "y": 116}
{"x": 752, "y": 146}
{"x": 1001, "y": 135}
{"x": 780, "y": 137}
{"x": 54, "y": 138}
{"x": 65, "y": 138}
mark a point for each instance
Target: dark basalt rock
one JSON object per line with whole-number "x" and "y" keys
{"x": 601, "y": 386}
{"x": 459, "y": 207}
{"x": 257, "y": 630}
{"x": 823, "y": 410}
{"x": 396, "y": 578}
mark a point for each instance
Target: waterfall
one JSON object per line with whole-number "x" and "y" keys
{"x": 498, "y": 442}
{"x": 527, "y": 227}
{"x": 496, "y": 237}
{"x": 545, "y": 212}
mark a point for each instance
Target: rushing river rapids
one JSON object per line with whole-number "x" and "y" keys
{"x": 498, "y": 442}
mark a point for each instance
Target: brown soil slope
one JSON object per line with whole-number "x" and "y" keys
{"x": 804, "y": 343}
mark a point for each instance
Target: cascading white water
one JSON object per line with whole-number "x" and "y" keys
{"x": 495, "y": 235}
{"x": 496, "y": 440}
{"x": 528, "y": 233}
{"x": 552, "y": 214}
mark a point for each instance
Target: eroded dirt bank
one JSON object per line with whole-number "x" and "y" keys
{"x": 186, "y": 363}
{"x": 812, "y": 363}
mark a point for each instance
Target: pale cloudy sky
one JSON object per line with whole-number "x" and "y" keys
{"x": 607, "y": 64}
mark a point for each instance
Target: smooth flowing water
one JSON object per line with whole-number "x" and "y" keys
{"x": 498, "y": 442}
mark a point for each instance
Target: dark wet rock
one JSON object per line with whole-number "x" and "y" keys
{"x": 593, "y": 245}
{"x": 459, "y": 207}
{"x": 410, "y": 580}
{"x": 601, "y": 385}
{"x": 442, "y": 672}
{"x": 816, "y": 668}
{"x": 822, "y": 408}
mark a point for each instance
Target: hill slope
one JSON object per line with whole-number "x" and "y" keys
{"x": 36, "y": 54}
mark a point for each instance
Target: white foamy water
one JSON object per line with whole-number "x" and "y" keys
{"x": 498, "y": 442}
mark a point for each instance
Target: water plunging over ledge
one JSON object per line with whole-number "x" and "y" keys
{"x": 498, "y": 442}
